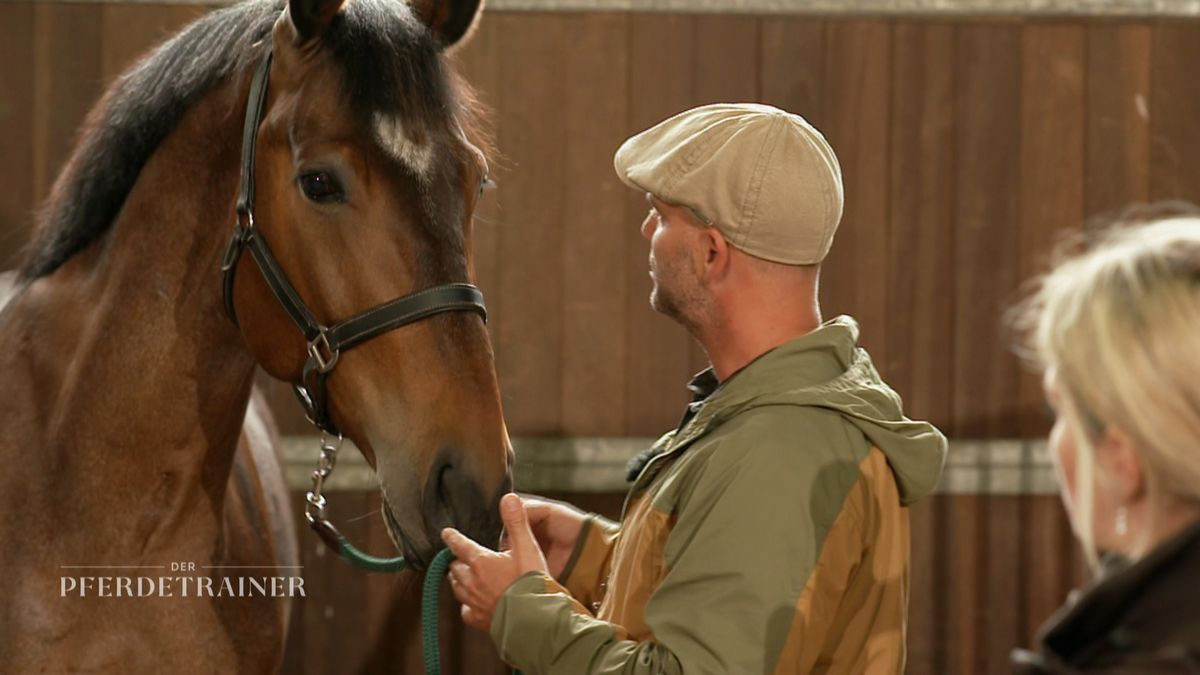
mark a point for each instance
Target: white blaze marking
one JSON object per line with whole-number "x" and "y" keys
{"x": 396, "y": 142}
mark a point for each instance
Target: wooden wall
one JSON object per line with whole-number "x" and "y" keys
{"x": 968, "y": 146}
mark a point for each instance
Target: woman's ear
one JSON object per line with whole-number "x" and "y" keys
{"x": 1120, "y": 465}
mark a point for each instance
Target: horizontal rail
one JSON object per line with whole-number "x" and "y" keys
{"x": 597, "y": 465}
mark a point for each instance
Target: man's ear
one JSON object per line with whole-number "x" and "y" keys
{"x": 1120, "y": 465}
{"x": 717, "y": 254}
{"x": 307, "y": 20}
{"x": 449, "y": 20}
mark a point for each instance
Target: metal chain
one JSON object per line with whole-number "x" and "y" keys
{"x": 314, "y": 507}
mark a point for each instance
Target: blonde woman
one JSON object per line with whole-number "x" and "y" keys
{"x": 1116, "y": 332}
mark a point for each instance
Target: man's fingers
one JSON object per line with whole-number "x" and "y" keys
{"x": 460, "y": 571}
{"x": 458, "y": 589}
{"x": 475, "y": 619}
{"x": 537, "y": 510}
{"x": 463, "y": 548}
{"x": 516, "y": 525}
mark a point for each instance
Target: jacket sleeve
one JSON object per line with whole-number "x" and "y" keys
{"x": 589, "y": 563}
{"x": 738, "y": 558}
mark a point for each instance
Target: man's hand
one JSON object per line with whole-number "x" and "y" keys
{"x": 480, "y": 576}
{"x": 557, "y": 527}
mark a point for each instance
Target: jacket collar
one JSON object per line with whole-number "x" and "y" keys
{"x": 1131, "y": 606}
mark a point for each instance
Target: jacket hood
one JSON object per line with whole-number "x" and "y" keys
{"x": 827, "y": 369}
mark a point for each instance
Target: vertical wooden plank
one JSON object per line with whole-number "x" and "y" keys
{"x": 16, "y": 124}
{"x": 660, "y": 85}
{"x": 925, "y": 632}
{"x": 1174, "y": 109}
{"x": 986, "y": 247}
{"x": 792, "y": 62}
{"x": 724, "y": 70}
{"x": 725, "y": 61}
{"x": 920, "y": 243}
{"x": 857, "y": 106}
{"x": 1118, "y": 116}
{"x": 594, "y": 374}
{"x": 986, "y": 235}
{"x": 921, "y": 237}
{"x": 1052, "y": 171}
{"x": 529, "y": 344}
{"x": 344, "y": 589}
{"x": 1004, "y": 581}
{"x": 67, "y": 40}
{"x": 966, "y": 614}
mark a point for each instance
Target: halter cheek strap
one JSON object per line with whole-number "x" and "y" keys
{"x": 325, "y": 343}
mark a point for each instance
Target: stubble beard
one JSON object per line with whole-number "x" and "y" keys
{"x": 677, "y": 295}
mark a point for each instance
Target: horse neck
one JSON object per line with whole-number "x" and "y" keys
{"x": 150, "y": 380}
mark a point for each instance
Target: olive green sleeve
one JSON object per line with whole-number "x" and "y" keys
{"x": 541, "y": 630}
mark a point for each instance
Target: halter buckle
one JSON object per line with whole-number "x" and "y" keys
{"x": 319, "y": 348}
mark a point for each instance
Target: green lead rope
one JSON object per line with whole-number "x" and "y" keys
{"x": 368, "y": 562}
{"x": 429, "y": 611}
{"x": 430, "y": 647}
{"x": 429, "y": 594}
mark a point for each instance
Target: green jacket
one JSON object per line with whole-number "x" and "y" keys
{"x": 768, "y": 534}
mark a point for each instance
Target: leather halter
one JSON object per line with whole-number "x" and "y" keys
{"x": 325, "y": 343}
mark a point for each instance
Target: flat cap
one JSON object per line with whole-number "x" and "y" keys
{"x": 763, "y": 176}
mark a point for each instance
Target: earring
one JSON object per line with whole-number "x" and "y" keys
{"x": 1122, "y": 526}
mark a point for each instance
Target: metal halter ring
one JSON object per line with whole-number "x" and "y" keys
{"x": 324, "y": 364}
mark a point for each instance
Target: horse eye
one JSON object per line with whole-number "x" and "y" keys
{"x": 321, "y": 187}
{"x": 487, "y": 184}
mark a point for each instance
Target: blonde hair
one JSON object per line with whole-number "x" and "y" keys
{"x": 1120, "y": 324}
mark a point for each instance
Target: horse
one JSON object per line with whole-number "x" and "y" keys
{"x": 132, "y": 437}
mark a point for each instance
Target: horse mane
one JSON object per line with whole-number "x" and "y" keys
{"x": 390, "y": 64}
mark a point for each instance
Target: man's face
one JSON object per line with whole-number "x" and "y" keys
{"x": 675, "y": 263}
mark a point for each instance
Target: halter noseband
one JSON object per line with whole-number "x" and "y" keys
{"x": 325, "y": 343}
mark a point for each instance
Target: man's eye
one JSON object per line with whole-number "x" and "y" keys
{"x": 321, "y": 187}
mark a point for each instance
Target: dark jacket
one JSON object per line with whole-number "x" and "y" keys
{"x": 1139, "y": 619}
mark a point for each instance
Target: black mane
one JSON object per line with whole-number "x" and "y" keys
{"x": 390, "y": 64}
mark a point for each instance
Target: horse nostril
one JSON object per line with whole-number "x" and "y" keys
{"x": 455, "y": 497}
{"x": 440, "y": 491}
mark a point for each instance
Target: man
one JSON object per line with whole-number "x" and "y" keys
{"x": 768, "y": 533}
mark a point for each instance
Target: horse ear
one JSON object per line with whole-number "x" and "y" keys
{"x": 449, "y": 20}
{"x": 310, "y": 18}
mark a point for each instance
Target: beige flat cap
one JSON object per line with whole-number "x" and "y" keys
{"x": 763, "y": 176}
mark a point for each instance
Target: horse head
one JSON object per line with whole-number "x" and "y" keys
{"x": 365, "y": 177}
